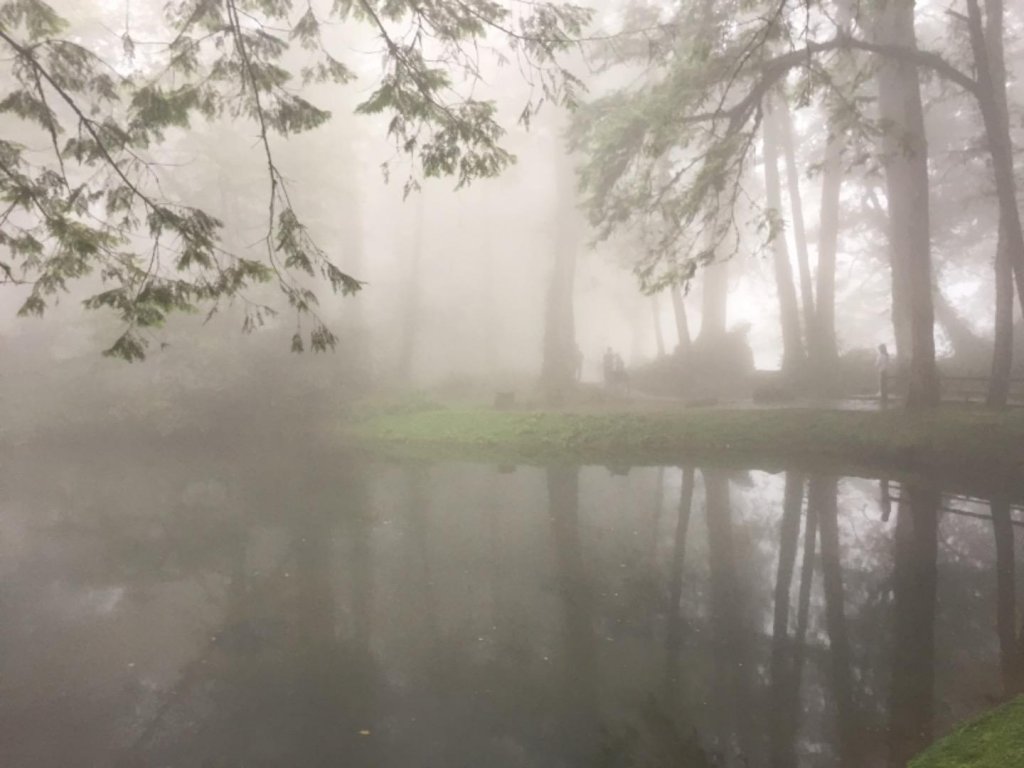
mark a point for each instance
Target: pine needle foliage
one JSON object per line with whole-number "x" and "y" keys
{"x": 665, "y": 157}
{"x": 94, "y": 204}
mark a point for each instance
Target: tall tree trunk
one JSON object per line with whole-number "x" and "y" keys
{"x": 796, "y": 209}
{"x": 789, "y": 313}
{"x": 990, "y": 64}
{"x": 682, "y": 325}
{"x": 659, "y": 337}
{"x": 659, "y": 503}
{"x": 674, "y": 633}
{"x": 964, "y": 341}
{"x": 417, "y": 558}
{"x": 580, "y": 650}
{"x": 1010, "y": 649}
{"x": 1002, "y": 347}
{"x": 822, "y": 497}
{"x": 350, "y": 212}
{"x": 804, "y": 599}
{"x": 906, "y": 170}
{"x": 360, "y": 535}
{"x": 558, "y": 371}
{"x": 315, "y": 620}
{"x": 783, "y": 720}
{"x": 486, "y": 307}
{"x": 411, "y": 302}
{"x": 912, "y": 696}
{"x": 559, "y": 364}
{"x": 822, "y": 335}
{"x": 989, "y": 61}
{"x": 714, "y": 302}
{"x": 733, "y": 663}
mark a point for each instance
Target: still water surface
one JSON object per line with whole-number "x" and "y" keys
{"x": 321, "y": 609}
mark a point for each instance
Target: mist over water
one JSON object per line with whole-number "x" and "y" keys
{"x": 508, "y": 384}
{"x": 276, "y": 605}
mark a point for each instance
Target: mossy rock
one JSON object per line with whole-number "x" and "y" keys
{"x": 994, "y": 740}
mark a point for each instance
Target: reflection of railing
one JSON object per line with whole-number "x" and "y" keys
{"x": 888, "y": 499}
{"x": 955, "y": 389}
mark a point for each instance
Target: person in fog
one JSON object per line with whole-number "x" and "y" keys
{"x": 619, "y": 375}
{"x": 578, "y": 362}
{"x": 882, "y": 365}
{"x": 608, "y": 366}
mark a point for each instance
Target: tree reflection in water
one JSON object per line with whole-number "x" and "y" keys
{"x": 328, "y": 611}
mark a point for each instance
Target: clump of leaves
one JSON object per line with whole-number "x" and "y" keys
{"x": 665, "y": 157}
{"x": 87, "y": 207}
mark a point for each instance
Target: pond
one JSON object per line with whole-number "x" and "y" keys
{"x": 274, "y": 605}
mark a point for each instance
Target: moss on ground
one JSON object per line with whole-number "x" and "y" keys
{"x": 994, "y": 740}
{"x": 959, "y": 439}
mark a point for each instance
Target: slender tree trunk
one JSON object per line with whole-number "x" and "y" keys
{"x": 315, "y": 618}
{"x": 714, "y": 302}
{"x": 361, "y": 561}
{"x": 417, "y": 557}
{"x": 659, "y": 503}
{"x": 989, "y": 61}
{"x": 822, "y": 336}
{"x": 350, "y": 212}
{"x": 789, "y": 313}
{"x": 822, "y": 496}
{"x": 411, "y": 303}
{"x": 783, "y": 722}
{"x": 674, "y": 634}
{"x": 488, "y": 301}
{"x": 580, "y": 650}
{"x": 559, "y": 364}
{"x": 912, "y": 697}
{"x": 1010, "y": 657}
{"x": 906, "y": 169}
{"x": 682, "y": 325}
{"x": 1002, "y": 347}
{"x": 683, "y": 338}
{"x": 659, "y": 337}
{"x": 804, "y": 599}
{"x": 733, "y": 662}
{"x": 965, "y": 342}
{"x": 558, "y": 372}
{"x": 796, "y": 208}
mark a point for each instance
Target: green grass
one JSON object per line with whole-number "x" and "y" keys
{"x": 956, "y": 438}
{"x": 994, "y": 740}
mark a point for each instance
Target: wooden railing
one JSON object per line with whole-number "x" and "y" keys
{"x": 955, "y": 389}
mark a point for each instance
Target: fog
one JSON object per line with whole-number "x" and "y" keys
{"x": 456, "y": 279}
{"x": 364, "y": 364}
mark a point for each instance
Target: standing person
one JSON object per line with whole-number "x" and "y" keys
{"x": 882, "y": 364}
{"x": 608, "y": 364}
{"x": 578, "y": 362}
{"x": 621, "y": 377}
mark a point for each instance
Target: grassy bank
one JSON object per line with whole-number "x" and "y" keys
{"x": 994, "y": 740}
{"x": 959, "y": 439}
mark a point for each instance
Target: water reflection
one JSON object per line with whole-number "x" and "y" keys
{"x": 322, "y": 610}
{"x": 785, "y": 658}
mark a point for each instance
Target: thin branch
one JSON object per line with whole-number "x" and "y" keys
{"x": 236, "y": 30}
{"x": 26, "y": 53}
{"x": 51, "y": 127}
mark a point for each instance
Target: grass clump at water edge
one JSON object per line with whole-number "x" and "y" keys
{"x": 994, "y": 740}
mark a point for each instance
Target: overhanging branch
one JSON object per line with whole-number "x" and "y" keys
{"x": 773, "y": 70}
